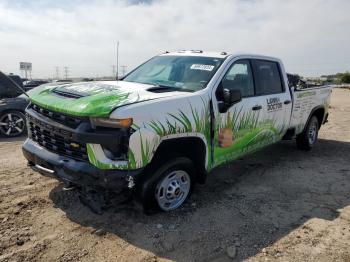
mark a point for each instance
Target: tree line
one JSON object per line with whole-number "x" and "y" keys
{"x": 339, "y": 78}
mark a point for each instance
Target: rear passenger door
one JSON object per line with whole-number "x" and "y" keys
{"x": 274, "y": 99}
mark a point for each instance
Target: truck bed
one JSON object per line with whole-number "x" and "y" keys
{"x": 306, "y": 100}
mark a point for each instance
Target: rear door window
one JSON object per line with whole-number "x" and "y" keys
{"x": 267, "y": 77}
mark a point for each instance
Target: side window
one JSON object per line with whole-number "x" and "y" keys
{"x": 267, "y": 77}
{"x": 239, "y": 77}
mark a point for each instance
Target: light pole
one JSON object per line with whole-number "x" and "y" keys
{"x": 117, "y": 59}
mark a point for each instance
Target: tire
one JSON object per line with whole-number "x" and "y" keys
{"x": 167, "y": 187}
{"x": 307, "y": 139}
{"x": 12, "y": 123}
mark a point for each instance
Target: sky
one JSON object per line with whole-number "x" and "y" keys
{"x": 312, "y": 37}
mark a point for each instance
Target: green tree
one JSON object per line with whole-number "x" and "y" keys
{"x": 345, "y": 78}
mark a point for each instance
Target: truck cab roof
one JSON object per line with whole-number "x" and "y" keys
{"x": 196, "y": 53}
{"x": 217, "y": 54}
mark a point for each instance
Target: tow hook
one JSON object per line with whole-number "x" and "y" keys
{"x": 131, "y": 182}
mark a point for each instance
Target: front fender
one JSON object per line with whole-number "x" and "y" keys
{"x": 170, "y": 118}
{"x": 144, "y": 144}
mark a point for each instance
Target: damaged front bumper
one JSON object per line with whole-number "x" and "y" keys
{"x": 75, "y": 172}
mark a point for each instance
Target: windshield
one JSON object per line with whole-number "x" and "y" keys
{"x": 190, "y": 73}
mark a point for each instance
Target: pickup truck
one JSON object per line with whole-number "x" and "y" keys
{"x": 166, "y": 125}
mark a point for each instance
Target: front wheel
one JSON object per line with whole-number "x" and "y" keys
{"x": 12, "y": 123}
{"x": 307, "y": 139}
{"x": 169, "y": 186}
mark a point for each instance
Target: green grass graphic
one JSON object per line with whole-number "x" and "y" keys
{"x": 132, "y": 161}
{"x": 248, "y": 133}
{"x": 93, "y": 160}
{"x": 146, "y": 151}
{"x": 198, "y": 122}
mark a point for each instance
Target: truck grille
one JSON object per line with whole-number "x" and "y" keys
{"x": 56, "y": 140}
{"x": 67, "y": 120}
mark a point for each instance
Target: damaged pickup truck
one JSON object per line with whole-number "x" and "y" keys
{"x": 166, "y": 125}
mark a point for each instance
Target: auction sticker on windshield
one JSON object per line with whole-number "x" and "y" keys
{"x": 202, "y": 67}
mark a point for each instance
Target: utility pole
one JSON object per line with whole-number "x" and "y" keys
{"x": 123, "y": 69}
{"x": 66, "y": 71}
{"x": 57, "y": 72}
{"x": 113, "y": 70}
{"x": 117, "y": 59}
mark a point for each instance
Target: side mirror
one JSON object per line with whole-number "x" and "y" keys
{"x": 230, "y": 97}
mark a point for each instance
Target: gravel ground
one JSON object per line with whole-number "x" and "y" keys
{"x": 278, "y": 204}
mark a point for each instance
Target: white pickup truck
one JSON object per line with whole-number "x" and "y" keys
{"x": 166, "y": 124}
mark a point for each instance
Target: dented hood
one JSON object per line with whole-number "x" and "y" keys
{"x": 97, "y": 99}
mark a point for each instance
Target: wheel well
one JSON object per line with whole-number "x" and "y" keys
{"x": 319, "y": 113}
{"x": 191, "y": 147}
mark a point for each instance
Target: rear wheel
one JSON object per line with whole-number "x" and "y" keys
{"x": 307, "y": 139}
{"x": 12, "y": 123}
{"x": 167, "y": 187}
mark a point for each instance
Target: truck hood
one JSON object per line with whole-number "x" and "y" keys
{"x": 96, "y": 99}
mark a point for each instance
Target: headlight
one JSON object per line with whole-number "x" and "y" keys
{"x": 110, "y": 122}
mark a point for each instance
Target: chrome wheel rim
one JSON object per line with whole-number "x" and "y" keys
{"x": 173, "y": 190}
{"x": 12, "y": 124}
{"x": 313, "y": 133}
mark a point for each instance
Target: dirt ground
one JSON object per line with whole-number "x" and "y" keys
{"x": 278, "y": 204}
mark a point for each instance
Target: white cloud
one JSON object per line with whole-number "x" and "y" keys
{"x": 312, "y": 37}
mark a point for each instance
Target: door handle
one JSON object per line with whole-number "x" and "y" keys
{"x": 287, "y": 102}
{"x": 257, "y": 107}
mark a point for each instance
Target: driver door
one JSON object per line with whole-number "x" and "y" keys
{"x": 236, "y": 127}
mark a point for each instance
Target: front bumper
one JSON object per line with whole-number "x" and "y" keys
{"x": 78, "y": 173}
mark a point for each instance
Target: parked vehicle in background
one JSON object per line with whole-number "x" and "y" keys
{"x": 167, "y": 124}
{"x": 34, "y": 83}
{"x": 87, "y": 79}
{"x": 13, "y": 104}
{"x": 12, "y": 107}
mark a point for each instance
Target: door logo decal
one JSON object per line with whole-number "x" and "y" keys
{"x": 273, "y": 104}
